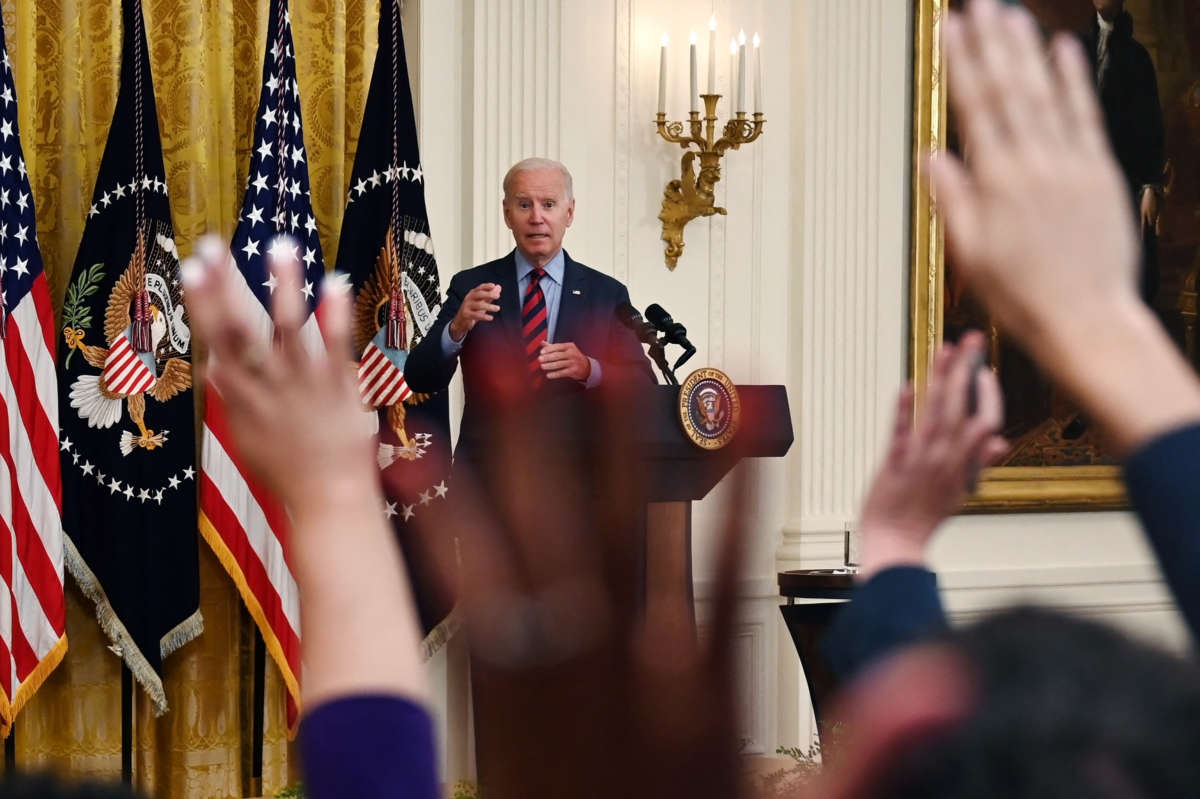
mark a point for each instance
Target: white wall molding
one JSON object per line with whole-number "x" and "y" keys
{"x": 746, "y": 589}
{"x": 623, "y": 119}
{"x": 1130, "y": 587}
{"x": 849, "y": 253}
{"x": 753, "y": 647}
{"x": 819, "y": 544}
{"x": 517, "y": 100}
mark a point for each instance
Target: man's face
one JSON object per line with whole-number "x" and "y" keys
{"x": 538, "y": 213}
{"x": 1107, "y": 8}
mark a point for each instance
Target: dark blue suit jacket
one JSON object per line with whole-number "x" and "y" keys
{"x": 493, "y": 357}
{"x": 900, "y": 606}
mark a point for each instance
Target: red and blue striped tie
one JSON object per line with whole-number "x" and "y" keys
{"x": 533, "y": 325}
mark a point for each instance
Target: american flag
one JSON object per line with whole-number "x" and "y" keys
{"x": 32, "y": 616}
{"x": 244, "y": 525}
{"x": 386, "y": 249}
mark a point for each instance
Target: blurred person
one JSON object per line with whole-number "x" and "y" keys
{"x": 594, "y": 697}
{"x": 598, "y": 699}
{"x": 1050, "y": 706}
{"x": 1038, "y": 226}
{"x": 660, "y": 720}
{"x": 926, "y": 473}
{"x": 296, "y": 417}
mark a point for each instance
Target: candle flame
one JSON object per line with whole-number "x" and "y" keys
{"x": 756, "y": 40}
{"x": 741, "y": 37}
{"x": 712, "y": 22}
{"x": 692, "y": 36}
{"x": 664, "y": 40}
{"x": 733, "y": 46}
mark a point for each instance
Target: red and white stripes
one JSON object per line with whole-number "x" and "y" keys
{"x": 32, "y": 607}
{"x": 380, "y": 382}
{"x": 246, "y": 527}
{"x": 124, "y": 372}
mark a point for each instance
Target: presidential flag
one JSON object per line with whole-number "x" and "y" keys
{"x": 125, "y": 378}
{"x": 32, "y": 622}
{"x": 245, "y": 525}
{"x": 387, "y": 252}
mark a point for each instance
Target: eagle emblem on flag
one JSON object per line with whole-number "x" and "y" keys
{"x": 148, "y": 341}
{"x": 390, "y": 315}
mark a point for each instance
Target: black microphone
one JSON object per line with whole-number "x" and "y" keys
{"x": 629, "y": 316}
{"x": 672, "y": 332}
{"x": 675, "y": 332}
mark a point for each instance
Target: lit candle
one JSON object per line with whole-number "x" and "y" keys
{"x": 741, "y": 84}
{"x": 712, "y": 54}
{"x": 662, "y": 77}
{"x": 732, "y": 66}
{"x": 757, "y": 75}
{"x": 695, "y": 92}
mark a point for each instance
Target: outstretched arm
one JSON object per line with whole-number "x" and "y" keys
{"x": 1038, "y": 224}
{"x": 298, "y": 424}
{"x": 922, "y": 481}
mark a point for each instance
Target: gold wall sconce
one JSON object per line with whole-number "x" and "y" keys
{"x": 692, "y": 194}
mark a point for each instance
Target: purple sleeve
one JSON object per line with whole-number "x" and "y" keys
{"x": 368, "y": 746}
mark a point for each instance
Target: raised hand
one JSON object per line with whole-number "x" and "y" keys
{"x": 1040, "y": 200}
{"x": 289, "y": 401}
{"x": 1039, "y": 224}
{"x": 293, "y": 408}
{"x": 930, "y": 463}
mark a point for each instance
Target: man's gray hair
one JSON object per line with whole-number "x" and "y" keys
{"x": 533, "y": 164}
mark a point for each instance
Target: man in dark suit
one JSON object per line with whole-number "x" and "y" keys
{"x": 1128, "y": 89}
{"x": 531, "y": 325}
{"x": 537, "y": 335}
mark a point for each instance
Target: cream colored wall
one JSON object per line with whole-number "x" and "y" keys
{"x": 804, "y": 283}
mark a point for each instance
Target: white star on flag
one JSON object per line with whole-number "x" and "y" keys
{"x": 272, "y": 223}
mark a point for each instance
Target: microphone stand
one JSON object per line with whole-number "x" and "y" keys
{"x": 687, "y": 353}
{"x": 658, "y": 354}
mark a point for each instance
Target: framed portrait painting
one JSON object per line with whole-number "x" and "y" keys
{"x": 1145, "y": 56}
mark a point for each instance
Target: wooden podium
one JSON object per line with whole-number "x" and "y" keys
{"x": 678, "y": 472}
{"x": 671, "y": 470}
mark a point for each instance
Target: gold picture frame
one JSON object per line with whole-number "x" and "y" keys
{"x": 1037, "y": 488}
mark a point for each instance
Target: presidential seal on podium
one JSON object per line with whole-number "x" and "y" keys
{"x": 709, "y": 408}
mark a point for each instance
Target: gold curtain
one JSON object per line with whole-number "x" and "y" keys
{"x": 206, "y": 57}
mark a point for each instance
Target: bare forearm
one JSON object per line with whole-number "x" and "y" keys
{"x": 883, "y": 549}
{"x": 1120, "y": 365}
{"x": 359, "y": 627}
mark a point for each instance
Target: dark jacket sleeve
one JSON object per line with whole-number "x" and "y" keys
{"x": 427, "y": 371}
{"x": 896, "y": 607}
{"x": 1148, "y": 127}
{"x": 625, "y": 361}
{"x": 1163, "y": 478}
{"x": 366, "y": 747}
